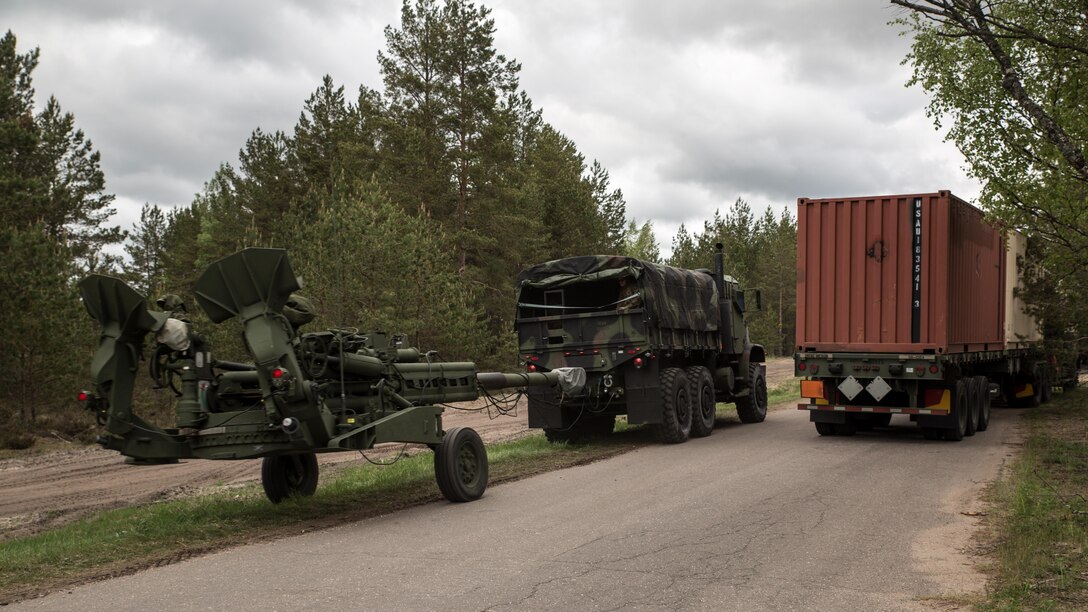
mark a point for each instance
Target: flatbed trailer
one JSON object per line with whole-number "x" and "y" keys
{"x": 906, "y": 305}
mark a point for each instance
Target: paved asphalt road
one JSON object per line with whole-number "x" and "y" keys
{"x": 755, "y": 517}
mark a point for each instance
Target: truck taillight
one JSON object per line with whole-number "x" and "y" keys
{"x": 638, "y": 362}
{"x": 83, "y": 396}
{"x": 532, "y": 368}
{"x": 802, "y": 366}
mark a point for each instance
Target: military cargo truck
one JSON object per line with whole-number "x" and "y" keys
{"x": 659, "y": 344}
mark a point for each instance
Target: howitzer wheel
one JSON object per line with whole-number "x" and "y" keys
{"x": 460, "y": 465}
{"x": 285, "y": 475}
{"x": 704, "y": 408}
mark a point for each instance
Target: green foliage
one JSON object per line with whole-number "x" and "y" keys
{"x": 52, "y": 201}
{"x": 761, "y": 254}
{"x": 146, "y": 250}
{"x": 356, "y": 277}
{"x": 639, "y": 242}
{"x": 49, "y": 172}
{"x": 1037, "y": 529}
{"x": 1009, "y": 80}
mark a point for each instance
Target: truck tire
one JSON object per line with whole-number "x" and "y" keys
{"x": 704, "y": 408}
{"x": 753, "y": 407}
{"x": 959, "y": 413}
{"x": 825, "y": 429}
{"x": 984, "y": 404}
{"x": 675, "y": 424}
{"x": 972, "y": 407}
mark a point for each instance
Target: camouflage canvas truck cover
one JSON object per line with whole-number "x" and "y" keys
{"x": 659, "y": 344}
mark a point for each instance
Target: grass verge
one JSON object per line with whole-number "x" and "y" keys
{"x": 120, "y": 542}
{"x": 784, "y": 392}
{"x": 1038, "y": 531}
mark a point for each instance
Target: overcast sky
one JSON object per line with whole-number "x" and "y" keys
{"x": 689, "y": 104}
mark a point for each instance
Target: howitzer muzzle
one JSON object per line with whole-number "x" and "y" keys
{"x": 571, "y": 380}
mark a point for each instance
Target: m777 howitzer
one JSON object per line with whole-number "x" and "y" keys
{"x": 304, "y": 393}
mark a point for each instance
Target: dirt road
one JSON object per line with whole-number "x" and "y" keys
{"x": 48, "y": 489}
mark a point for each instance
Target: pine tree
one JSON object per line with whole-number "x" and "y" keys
{"x": 147, "y": 250}
{"x": 49, "y": 171}
{"x": 611, "y": 207}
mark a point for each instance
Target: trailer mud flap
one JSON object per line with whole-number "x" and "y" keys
{"x": 643, "y": 393}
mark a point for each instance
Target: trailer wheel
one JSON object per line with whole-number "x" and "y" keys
{"x": 984, "y": 403}
{"x": 959, "y": 413}
{"x": 972, "y": 407}
{"x": 460, "y": 465}
{"x": 704, "y": 408}
{"x": 825, "y": 429}
{"x": 753, "y": 407}
{"x": 285, "y": 475}
{"x": 675, "y": 424}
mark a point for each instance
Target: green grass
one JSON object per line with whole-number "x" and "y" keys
{"x": 122, "y": 541}
{"x": 1039, "y": 528}
{"x": 784, "y": 392}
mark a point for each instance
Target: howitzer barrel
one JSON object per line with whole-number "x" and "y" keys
{"x": 570, "y": 379}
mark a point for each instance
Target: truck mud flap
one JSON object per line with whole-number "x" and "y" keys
{"x": 643, "y": 393}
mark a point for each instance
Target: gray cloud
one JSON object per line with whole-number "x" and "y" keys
{"x": 689, "y": 104}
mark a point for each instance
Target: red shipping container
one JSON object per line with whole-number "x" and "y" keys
{"x": 914, "y": 273}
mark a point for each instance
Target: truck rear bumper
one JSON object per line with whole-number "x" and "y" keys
{"x": 875, "y": 409}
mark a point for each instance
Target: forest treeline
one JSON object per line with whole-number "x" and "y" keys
{"x": 410, "y": 209}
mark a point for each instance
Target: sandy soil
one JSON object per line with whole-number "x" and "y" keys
{"x": 42, "y": 490}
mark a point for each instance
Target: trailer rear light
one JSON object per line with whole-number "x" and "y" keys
{"x": 813, "y": 389}
{"x": 815, "y": 368}
{"x": 532, "y": 368}
{"x": 82, "y": 396}
{"x": 279, "y": 373}
{"x": 638, "y": 362}
{"x": 933, "y": 369}
{"x": 920, "y": 370}
{"x": 801, "y": 366}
